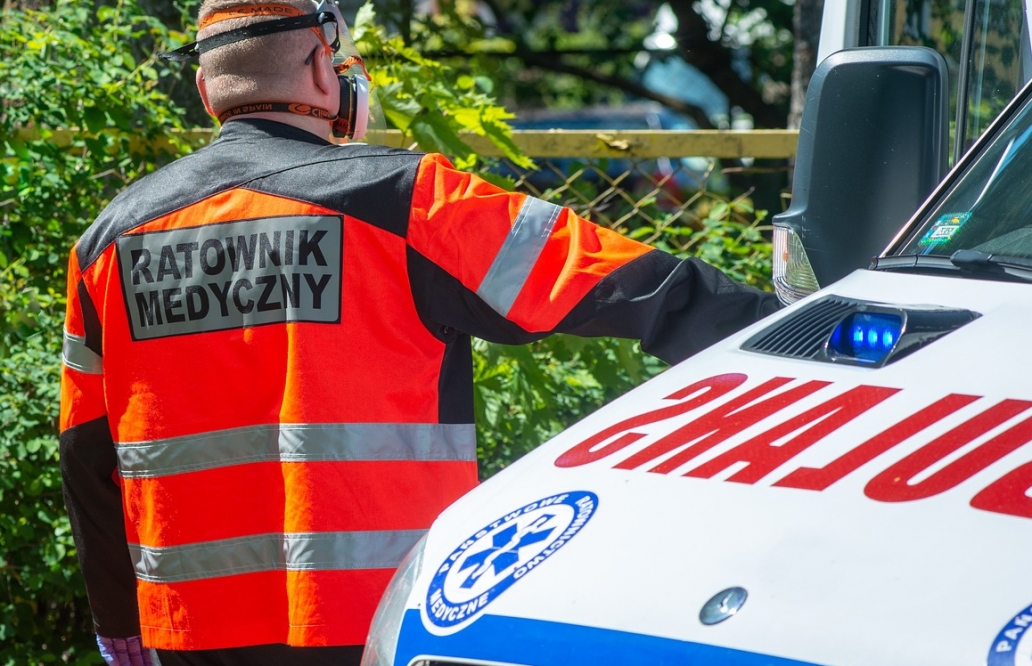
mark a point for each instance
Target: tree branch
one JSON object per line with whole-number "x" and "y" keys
{"x": 711, "y": 58}
{"x": 620, "y": 83}
{"x": 714, "y": 60}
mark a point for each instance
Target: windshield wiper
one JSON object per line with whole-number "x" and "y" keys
{"x": 971, "y": 262}
{"x": 987, "y": 263}
{"x": 914, "y": 263}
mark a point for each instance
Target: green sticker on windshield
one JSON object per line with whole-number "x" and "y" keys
{"x": 942, "y": 231}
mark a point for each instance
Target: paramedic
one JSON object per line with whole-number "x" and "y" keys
{"x": 267, "y": 384}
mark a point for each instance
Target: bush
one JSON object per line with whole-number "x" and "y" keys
{"x": 42, "y": 602}
{"x": 70, "y": 66}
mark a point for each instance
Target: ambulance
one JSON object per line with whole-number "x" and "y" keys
{"x": 845, "y": 483}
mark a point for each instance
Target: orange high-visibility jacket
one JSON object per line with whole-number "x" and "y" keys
{"x": 269, "y": 339}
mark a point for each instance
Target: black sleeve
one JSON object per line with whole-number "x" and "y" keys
{"x": 94, "y": 503}
{"x": 675, "y": 307}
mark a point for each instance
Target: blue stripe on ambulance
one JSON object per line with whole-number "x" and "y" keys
{"x": 513, "y": 640}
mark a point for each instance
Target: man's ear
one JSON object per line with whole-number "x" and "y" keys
{"x": 324, "y": 79}
{"x": 202, "y": 88}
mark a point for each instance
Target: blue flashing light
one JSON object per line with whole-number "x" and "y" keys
{"x": 866, "y": 336}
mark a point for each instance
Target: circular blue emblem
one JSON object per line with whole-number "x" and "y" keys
{"x": 504, "y": 551}
{"x": 1013, "y": 645}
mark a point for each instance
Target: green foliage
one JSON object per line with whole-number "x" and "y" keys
{"x": 71, "y": 66}
{"x": 760, "y": 33}
{"x": 527, "y": 394}
{"x": 574, "y": 53}
{"x": 726, "y": 234}
{"x": 426, "y": 100}
{"x": 44, "y": 617}
{"x": 526, "y": 28}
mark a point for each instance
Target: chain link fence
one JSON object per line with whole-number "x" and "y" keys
{"x": 654, "y": 188}
{"x": 625, "y": 194}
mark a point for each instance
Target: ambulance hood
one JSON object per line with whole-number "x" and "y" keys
{"x": 753, "y": 508}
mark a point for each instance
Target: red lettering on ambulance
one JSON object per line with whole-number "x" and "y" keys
{"x": 893, "y": 485}
{"x": 1009, "y": 494}
{"x": 700, "y": 393}
{"x": 764, "y": 456}
{"x": 720, "y": 424}
{"x": 819, "y": 478}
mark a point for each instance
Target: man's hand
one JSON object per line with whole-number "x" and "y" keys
{"x": 124, "y": 651}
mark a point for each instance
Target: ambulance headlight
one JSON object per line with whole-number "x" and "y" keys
{"x": 793, "y": 275}
{"x": 386, "y": 628}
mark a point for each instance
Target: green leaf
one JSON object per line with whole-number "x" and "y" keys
{"x": 364, "y": 18}
{"x": 504, "y": 182}
{"x": 485, "y": 84}
{"x": 501, "y": 136}
{"x": 94, "y": 118}
{"x": 433, "y": 132}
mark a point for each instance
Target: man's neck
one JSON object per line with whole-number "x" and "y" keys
{"x": 317, "y": 126}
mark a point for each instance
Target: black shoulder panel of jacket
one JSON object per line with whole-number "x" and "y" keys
{"x": 90, "y": 320}
{"x": 94, "y": 504}
{"x": 371, "y": 183}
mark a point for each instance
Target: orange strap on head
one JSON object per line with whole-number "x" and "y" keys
{"x": 285, "y": 17}
{"x": 264, "y": 9}
{"x": 248, "y": 11}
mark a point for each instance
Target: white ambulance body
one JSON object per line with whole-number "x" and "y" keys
{"x": 846, "y": 483}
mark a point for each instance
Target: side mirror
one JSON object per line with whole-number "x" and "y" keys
{"x": 873, "y": 143}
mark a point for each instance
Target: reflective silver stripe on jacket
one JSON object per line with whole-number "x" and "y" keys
{"x": 78, "y": 356}
{"x": 300, "y": 551}
{"x": 518, "y": 254}
{"x": 329, "y": 442}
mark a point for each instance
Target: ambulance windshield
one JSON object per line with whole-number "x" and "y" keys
{"x": 989, "y": 208}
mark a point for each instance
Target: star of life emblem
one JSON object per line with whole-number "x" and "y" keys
{"x": 503, "y": 552}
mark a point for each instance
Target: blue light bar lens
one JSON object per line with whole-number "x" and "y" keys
{"x": 866, "y": 336}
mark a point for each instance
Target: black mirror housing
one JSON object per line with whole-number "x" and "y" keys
{"x": 873, "y": 144}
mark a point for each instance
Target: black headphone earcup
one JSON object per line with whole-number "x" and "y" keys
{"x": 344, "y": 125}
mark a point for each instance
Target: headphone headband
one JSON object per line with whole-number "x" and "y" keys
{"x": 255, "y": 30}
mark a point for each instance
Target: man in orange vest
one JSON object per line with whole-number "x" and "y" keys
{"x": 267, "y": 385}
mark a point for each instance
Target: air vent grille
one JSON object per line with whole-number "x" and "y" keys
{"x": 803, "y": 334}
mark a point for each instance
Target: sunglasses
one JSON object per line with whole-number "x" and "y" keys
{"x": 323, "y": 22}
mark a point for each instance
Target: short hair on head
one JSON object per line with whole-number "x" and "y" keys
{"x": 259, "y": 69}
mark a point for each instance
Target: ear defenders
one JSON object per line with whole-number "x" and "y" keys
{"x": 352, "y": 119}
